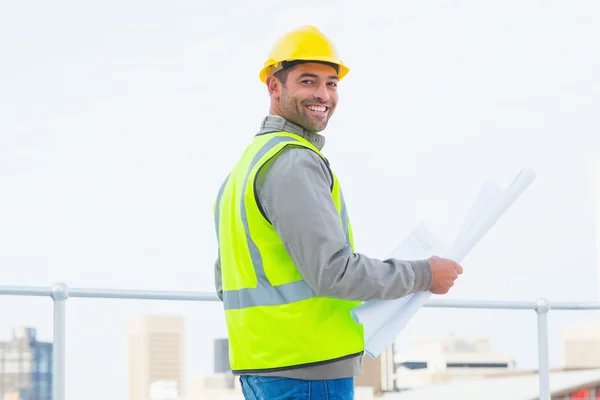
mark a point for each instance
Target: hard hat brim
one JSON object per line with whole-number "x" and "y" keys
{"x": 342, "y": 68}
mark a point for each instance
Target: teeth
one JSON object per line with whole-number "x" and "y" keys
{"x": 317, "y": 108}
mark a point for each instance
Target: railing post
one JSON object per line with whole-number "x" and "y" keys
{"x": 60, "y": 294}
{"x": 544, "y": 366}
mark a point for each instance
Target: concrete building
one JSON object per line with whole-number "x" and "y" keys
{"x": 223, "y": 385}
{"x": 581, "y": 346}
{"x": 564, "y": 385}
{"x": 220, "y": 386}
{"x": 441, "y": 359}
{"x": 25, "y": 367}
{"x": 378, "y": 373}
{"x": 372, "y": 374}
{"x": 156, "y": 358}
{"x": 221, "y": 355}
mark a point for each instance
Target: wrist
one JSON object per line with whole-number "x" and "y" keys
{"x": 423, "y": 275}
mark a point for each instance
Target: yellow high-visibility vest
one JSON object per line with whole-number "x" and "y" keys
{"x": 274, "y": 319}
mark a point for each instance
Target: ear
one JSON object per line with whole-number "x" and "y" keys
{"x": 274, "y": 86}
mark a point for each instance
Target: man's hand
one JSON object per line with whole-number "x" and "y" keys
{"x": 444, "y": 273}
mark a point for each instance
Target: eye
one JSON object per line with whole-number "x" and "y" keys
{"x": 307, "y": 81}
{"x": 334, "y": 84}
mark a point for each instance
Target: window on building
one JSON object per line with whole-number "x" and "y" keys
{"x": 477, "y": 365}
{"x": 413, "y": 364}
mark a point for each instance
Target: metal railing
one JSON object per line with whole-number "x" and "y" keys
{"x": 60, "y": 292}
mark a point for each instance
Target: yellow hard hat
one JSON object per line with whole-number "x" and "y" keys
{"x": 306, "y": 43}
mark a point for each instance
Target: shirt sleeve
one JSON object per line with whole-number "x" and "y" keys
{"x": 294, "y": 191}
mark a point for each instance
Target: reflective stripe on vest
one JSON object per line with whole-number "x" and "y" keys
{"x": 265, "y": 294}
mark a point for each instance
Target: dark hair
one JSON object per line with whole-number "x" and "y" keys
{"x": 282, "y": 74}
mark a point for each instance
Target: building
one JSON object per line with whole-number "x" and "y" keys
{"x": 221, "y": 355}
{"x": 440, "y": 359}
{"x": 372, "y": 376}
{"x": 564, "y": 385}
{"x": 214, "y": 387}
{"x": 379, "y": 374}
{"x": 156, "y": 358}
{"x": 581, "y": 346}
{"x": 223, "y": 385}
{"x": 25, "y": 367}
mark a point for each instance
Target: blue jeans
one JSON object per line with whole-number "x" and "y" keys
{"x": 274, "y": 388}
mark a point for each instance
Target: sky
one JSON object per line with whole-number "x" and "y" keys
{"x": 119, "y": 121}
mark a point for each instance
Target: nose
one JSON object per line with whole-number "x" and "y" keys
{"x": 322, "y": 93}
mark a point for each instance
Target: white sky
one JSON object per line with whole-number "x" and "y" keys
{"x": 119, "y": 120}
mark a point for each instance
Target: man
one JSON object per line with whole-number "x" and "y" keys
{"x": 287, "y": 271}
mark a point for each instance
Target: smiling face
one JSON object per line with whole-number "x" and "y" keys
{"x": 306, "y": 95}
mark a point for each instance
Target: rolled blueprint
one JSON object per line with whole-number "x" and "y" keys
{"x": 419, "y": 244}
{"x": 384, "y": 320}
{"x": 481, "y": 226}
{"x": 489, "y": 194}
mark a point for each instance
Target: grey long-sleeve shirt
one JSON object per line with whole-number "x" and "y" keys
{"x": 294, "y": 190}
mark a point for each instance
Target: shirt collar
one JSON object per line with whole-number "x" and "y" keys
{"x": 274, "y": 123}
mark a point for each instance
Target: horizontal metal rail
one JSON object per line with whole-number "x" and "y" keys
{"x": 60, "y": 292}
{"x": 514, "y": 305}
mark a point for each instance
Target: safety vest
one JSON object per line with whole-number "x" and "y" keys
{"x": 274, "y": 319}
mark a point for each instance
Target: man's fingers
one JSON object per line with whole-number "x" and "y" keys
{"x": 459, "y": 269}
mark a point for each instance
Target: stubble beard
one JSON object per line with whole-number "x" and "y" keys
{"x": 295, "y": 112}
